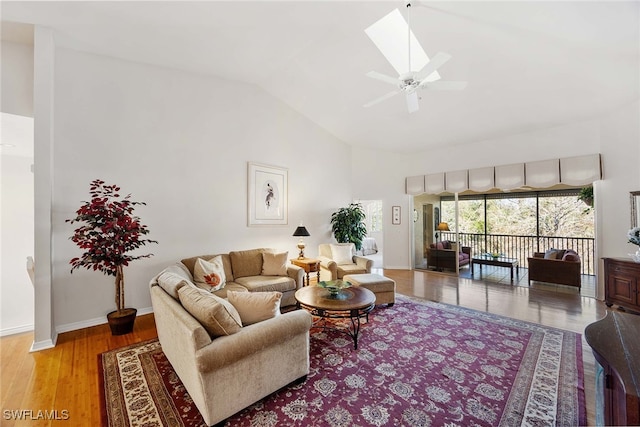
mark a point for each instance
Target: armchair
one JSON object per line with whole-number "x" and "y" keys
{"x": 558, "y": 266}
{"x": 338, "y": 260}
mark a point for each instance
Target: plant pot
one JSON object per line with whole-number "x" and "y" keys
{"x": 588, "y": 201}
{"x": 121, "y": 322}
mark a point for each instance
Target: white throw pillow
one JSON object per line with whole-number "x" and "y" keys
{"x": 274, "y": 264}
{"x": 341, "y": 254}
{"x": 255, "y": 307}
{"x": 209, "y": 275}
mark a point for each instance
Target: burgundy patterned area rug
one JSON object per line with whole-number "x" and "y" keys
{"x": 418, "y": 364}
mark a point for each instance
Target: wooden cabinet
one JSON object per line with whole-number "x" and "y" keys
{"x": 616, "y": 344}
{"x": 622, "y": 283}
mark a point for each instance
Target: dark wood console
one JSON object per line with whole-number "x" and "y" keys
{"x": 616, "y": 347}
{"x": 622, "y": 283}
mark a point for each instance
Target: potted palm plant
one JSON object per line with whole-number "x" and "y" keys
{"x": 109, "y": 231}
{"x": 586, "y": 195}
{"x": 348, "y": 225}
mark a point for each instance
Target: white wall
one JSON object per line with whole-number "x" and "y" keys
{"x": 380, "y": 175}
{"x": 179, "y": 142}
{"x": 17, "y": 78}
{"x": 16, "y": 290}
{"x": 620, "y": 148}
{"x": 17, "y": 236}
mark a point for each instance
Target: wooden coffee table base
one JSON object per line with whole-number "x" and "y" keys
{"x": 351, "y": 303}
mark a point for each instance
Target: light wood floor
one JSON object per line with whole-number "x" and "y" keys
{"x": 65, "y": 378}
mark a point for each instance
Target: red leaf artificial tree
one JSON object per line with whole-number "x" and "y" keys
{"x": 109, "y": 232}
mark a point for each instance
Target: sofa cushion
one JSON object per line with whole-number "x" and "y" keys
{"x": 267, "y": 283}
{"x": 246, "y": 263}
{"x": 171, "y": 282}
{"x": 255, "y": 307}
{"x": 351, "y": 269}
{"x": 274, "y": 264}
{"x": 217, "y": 315}
{"x": 230, "y": 287}
{"x": 341, "y": 254}
{"x": 189, "y": 263}
{"x": 209, "y": 275}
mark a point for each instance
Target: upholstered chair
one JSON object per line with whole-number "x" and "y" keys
{"x": 556, "y": 266}
{"x": 339, "y": 259}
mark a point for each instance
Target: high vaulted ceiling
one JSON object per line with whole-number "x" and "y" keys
{"x": 529, "y": 65}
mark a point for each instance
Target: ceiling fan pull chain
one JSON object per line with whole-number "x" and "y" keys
{"x": 409, "y": 32}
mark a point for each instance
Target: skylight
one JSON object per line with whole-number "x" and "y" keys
{"x": 389, "y": 34}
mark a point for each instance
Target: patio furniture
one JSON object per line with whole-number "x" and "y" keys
{"x": 562, "y": 268}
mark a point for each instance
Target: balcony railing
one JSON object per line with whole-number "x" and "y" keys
{"x": 523, "y": 247}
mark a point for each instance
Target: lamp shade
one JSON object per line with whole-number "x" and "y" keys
{"x": 443, "y": 226}
{"x": 301, "y": 231}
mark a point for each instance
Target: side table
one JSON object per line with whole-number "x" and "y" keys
{"x": 309, "y": 265}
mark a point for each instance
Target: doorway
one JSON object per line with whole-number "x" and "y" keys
{"x": 373, "y": 244}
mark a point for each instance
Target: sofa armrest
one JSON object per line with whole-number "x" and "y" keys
{"x": 252, "y": 339}
{"x": 363, "y": 262}
{"x": 467, "y": 250}
{"x": 297, "y": 274}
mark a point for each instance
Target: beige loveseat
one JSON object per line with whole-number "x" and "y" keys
{"x": 332, "y": 268}
{"x": 225, "y": 374}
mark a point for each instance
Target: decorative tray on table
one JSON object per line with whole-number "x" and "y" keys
{"x": 334, "y": 286}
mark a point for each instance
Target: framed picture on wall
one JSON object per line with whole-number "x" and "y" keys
{"x": 267, "y": 193}
{"x": 395, "y": 215}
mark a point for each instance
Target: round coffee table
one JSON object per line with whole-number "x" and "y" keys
{"x": 350, "y": 303}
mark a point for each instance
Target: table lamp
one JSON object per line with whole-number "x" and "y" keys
{"x": 301, "y": 232}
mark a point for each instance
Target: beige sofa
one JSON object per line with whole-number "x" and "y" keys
{"x": 243, "y": 273}
{"x": 225, "y": 374}
{"x": 332, "y": 269}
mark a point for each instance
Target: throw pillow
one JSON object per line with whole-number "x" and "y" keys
{"x": 255, "y": 307}
{"x": 571, "y": 255}
{"x": 171, "y": 283}
{"x": 217, "y": 315}
{"x": 274, "y": 264}
{"x": 209, "y": 275}
{"x": 551, "y": 254}
{"x": 341, "y": 254}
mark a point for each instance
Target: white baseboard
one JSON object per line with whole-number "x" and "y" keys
{"x": 43, "y": 345}
{"x": 68, "y": 327}
{"x": 16, "y": 330}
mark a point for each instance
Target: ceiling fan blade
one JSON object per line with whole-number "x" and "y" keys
{"x": 383, "y": 77}
{"x": 436, "y": 62}
{"x": 412, "y": 102}
{"x": 389, "y": 34}
{"x": 443, "y": 85}
{"x": 382, "y": 98}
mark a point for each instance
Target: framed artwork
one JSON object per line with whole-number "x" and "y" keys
{"x": 395, "y": 215}
{"x": 436, "y": 217}
{"x": 267, "y": 192}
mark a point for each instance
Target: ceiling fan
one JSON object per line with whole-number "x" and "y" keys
{"x": 386, "y": 34}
